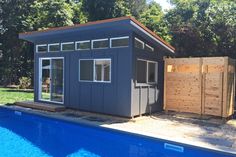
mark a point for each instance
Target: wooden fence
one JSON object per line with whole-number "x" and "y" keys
{"x": 200, "y": 85}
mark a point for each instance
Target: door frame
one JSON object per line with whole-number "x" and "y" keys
{"x": 40, "y": 77}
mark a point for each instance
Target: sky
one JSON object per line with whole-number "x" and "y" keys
{"x": 164, "y": 4}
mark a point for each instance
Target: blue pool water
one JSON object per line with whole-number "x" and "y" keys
{"x": 28, "y": 135}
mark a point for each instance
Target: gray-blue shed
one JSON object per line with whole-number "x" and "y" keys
{"x": 112, "y": 66}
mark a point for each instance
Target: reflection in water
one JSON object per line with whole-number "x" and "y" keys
{"x": 83, "y": 153}
{"x": 12, "y": 145}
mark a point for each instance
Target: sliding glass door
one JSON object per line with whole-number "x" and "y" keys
{"x": 51, "y": 79}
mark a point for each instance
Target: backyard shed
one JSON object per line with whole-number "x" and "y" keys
{"x": 112, "y": 66}
{"x": 203, "y": 85}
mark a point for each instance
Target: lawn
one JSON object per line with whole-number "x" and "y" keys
{"x": 10, "y": 95}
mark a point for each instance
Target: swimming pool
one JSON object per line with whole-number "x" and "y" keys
{"x": 28, "y": 135}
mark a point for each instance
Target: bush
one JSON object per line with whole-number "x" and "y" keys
{"x": 25, "y": 82}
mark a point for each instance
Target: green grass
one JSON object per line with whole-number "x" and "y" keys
{"x": 9, "y": 95}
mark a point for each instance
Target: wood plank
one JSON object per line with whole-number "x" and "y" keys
{"x": 206, "y": 83}
{"x": 40, "y": 106}
{"x": 225, "y": 88}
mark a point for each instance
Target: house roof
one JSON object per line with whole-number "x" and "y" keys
{"x": 136, "y": 23}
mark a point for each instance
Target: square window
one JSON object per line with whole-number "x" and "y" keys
{"x": 146, "y": 71}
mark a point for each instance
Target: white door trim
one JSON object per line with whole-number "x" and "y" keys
{"x": 40, "y": 79}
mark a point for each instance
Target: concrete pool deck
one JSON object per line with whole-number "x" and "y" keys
{"x": 208, "y": 132}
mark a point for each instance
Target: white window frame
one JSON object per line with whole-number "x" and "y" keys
{"x": 99, "y": 40}
{"x": 40, "y": 76}
{"x": 53, "y": 45}
{"x": 152, "y": 49}
{"x": 37, "y": 46}
{"x": 83, "y": 41}
{"x": 147, "y": 68}
{"x": 124, "y": 37}
{"x": 66, "y": 43}
{"x": 137, "y": 39}
{"x": 94, "y": 70}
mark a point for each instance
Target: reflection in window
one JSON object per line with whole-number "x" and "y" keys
{"x": 41, "y": 48}
{"x": 98, "y": 70}
{"x": 83, "y": 45}
{"x": 54, "y": 47}
{"x": 67, "y": 46}
{"x": 102, "y": 70}
{"x": 100, "y": 43}
{"x": 119, "y": 42}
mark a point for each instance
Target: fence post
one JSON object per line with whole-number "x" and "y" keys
{"x": 201, "y": 83}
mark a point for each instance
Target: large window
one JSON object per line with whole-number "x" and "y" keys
{"x": 83, "y": 45}
{"x": 68, "y": 46}
{"x": 97, "y": 70}
{"x": 41, "y": 48}
{"x": 100, "y": 44}
{"x": 138, "y": 43}
{"x": 146, "y": 71}
{"x": 86, "y": 70}
{"x": 119, "y": 42}
{"x": 54, "y": 47}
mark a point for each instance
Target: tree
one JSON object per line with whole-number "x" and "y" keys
{"x": 103, "y": 9}
{"x": 51, "y": 13}
{"x": 153, "y": 18}
{"x": 136, "y": 7}
{"x": 200, "y": 27}
{"x": 222, "y": 26}
{"x": 14, "y": 55}
{"x": 29, "y": 15}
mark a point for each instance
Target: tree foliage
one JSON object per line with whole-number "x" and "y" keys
{"x": 203, "y": 27}
{"x": 28, "y": 15}
{"x": 102, "y": 9}
{"x": 153, "y": 18}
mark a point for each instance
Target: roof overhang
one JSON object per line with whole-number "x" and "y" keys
{"x": 154, "y": 37}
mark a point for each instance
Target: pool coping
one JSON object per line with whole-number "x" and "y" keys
{"x": 78, "y": 120}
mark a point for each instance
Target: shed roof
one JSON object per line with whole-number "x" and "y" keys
{"x": 133, "y": 21}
